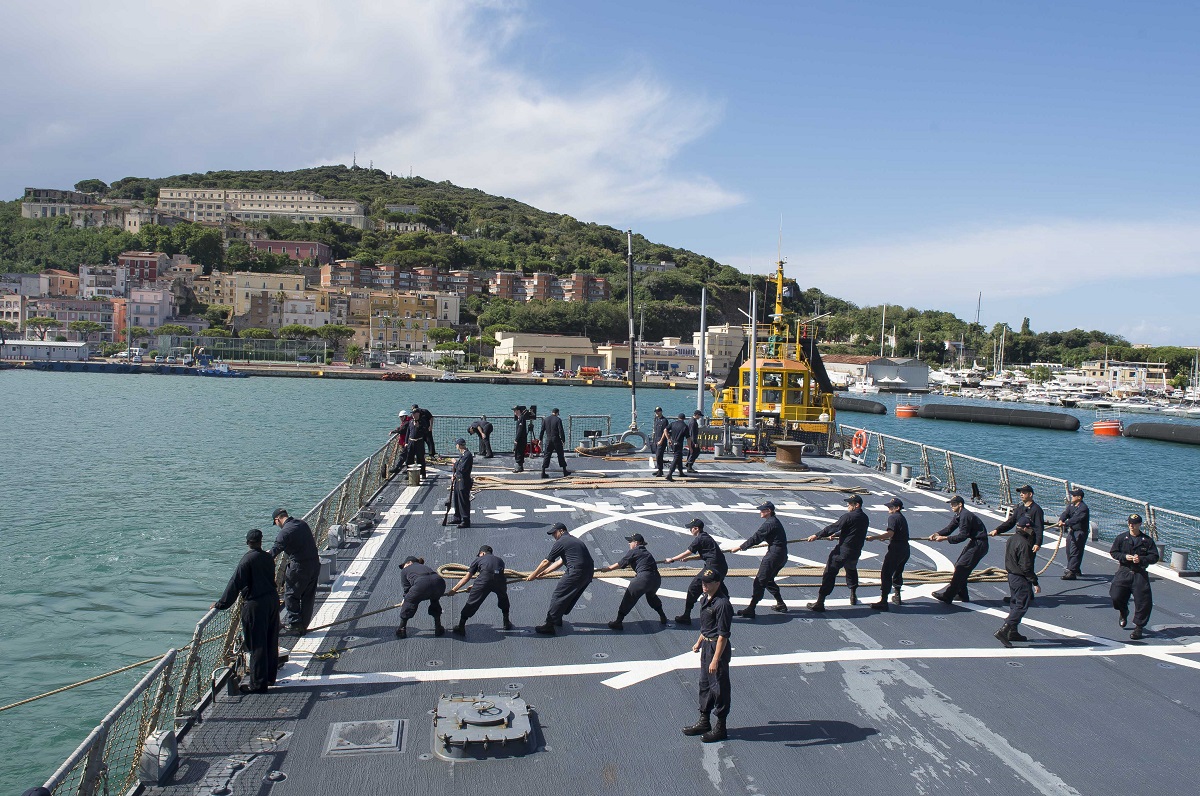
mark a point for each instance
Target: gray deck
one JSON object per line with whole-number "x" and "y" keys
{"x": 918, "y": 700}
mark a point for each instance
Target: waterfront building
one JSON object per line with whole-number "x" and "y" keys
{"x": 66, "y": 309}
{"x": 546, "y": 352}
{"x": 13, "y": 308}
{"x": 45, "y": 351}
{"x": 1118, "y": 374}
{"x": 897, "y": 374}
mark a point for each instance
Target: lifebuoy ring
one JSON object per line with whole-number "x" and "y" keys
{"x": 859, "y": 443}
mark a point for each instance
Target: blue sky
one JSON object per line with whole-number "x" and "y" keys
{"x": 917, "y": 153}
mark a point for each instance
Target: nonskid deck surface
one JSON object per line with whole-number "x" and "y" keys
{"x": 915, "y": 700}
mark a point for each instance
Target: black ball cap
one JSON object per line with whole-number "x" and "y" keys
{"x": 637, "y": 537}
{"x": 710, "y": 576}
{"x": 854, "y": 500}
{"x": 1027, "y": 489}
{"x": 895, "y": 503}
{"x": 681, "y": 415}
{"x": 696, "y": 523}
{"x": 767, "y": 506}
{"x": 956, "y": 501}
{"x": 1075, "y": 492}
{"x": 1024, "y": 522}
{"x": 411, "y": 560}
{"x": 556, "y": 527}
{"x": 254, "y": 536}
{"x": 279, "y": 513}
{"x": 460, "y": 441}
{"x": 658, "y": 409}
{"x": 1135, "y": 519}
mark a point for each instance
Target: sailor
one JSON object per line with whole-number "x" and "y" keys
{"x": 646, "y": 581}
{"x": 851, "y": 530}
{"x": 694, "y": 439}
{"x": 426, "y": 421}
{"x": 963, "y": 527}
{"x": 1134, "y": 552}
{"x": 420, "y": 584}
{"x": 1076, "y": 524}
{"x": 520, "y": 438}
{"x": 1022, "y": 580}
{"x": 657, "y": 446}
{"x": 552, "y": 436}
{"x": 706, "y": 548}
{"x": 770, "y": 533}
{"x": 1026, "y": 508}
{"x": 482, "y": 428}
{"x": 891, "y": 574}
{"x": 488, "y": 571}
{"x": 676, "y": 434}
{"x": 716, "y": 622}
{"x": 460, "y": 486}
{"x": 418, "y": 434}
{"x": 254, "y": 582}
{"x": 401, "y": 433}
{"x": 300, "y": 577}
{"x": 571, "y": 554}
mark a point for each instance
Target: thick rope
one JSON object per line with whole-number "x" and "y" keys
{"x": 816, "y": 483}
{"x": 82, "y": 682}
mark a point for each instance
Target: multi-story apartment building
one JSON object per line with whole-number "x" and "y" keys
{"x": 12, "y": 308}
{"x": 215, "y": 204}
{"x": 298, "y": 250}
{"x": 28, "y": 285}
{"x": 61, "y": 283}
{"x": 102, "y": 281}
{"x": 580, "y": 287}
{"x": 65, "y": 310}
{"x": 150, "y": 308}
{"x": 143, "y": 266}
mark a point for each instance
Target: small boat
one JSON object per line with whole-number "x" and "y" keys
{"x": 220, "y": 369}
{"x": 865, "y": 387}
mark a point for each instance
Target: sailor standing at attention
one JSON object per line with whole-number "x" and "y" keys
{"x": 1134, "y": 553}
{"x": 1026, "y": 508}
{"x": 420, "y": 584}
{"x": 1076, "y": 522}
{"x": 716, "y": 621}
{"x": 891, "y": 573}
{"x": 657, "y": 446}
{"x": 706, "y": 548}
{"x": 254, "y": 582}
{"x": 573, "y": 555}
{"x": 851, "y": 530}
{"x": 963, "y": 527}
{"x": 520, "y": 438}
{"x": 646, "y": 581}
{"x": 303, "y": 569}
{"x": 552, "y": 437}
{"x": 1022, "y": 581}
{"x": 460, "y": 486}
{"x": 770, "y": 533}
{"x": 488, "y": 571}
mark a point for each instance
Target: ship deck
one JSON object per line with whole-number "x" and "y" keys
{"x": 917, "y": 700}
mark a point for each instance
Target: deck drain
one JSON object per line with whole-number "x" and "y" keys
{"x": 434, "y": 662}
{"x": 426, "y": 755}
{"x": 513, "y": 687}
{"x": 1188, "y": 616}
{"x": 516, "y": 588}
{"x": 1166, "y": 666}
{"x": 906, "y": 642}
{"x": 276, "y": 776}
{"x": 1014, "y": 663}
{"x": 365, "y": 737}
{"x": 600, "y": 655}
{"x": 758, "y": 649}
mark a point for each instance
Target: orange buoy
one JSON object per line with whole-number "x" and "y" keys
{"x": 907, "y": 410}
{"x": 1107, "y": 428}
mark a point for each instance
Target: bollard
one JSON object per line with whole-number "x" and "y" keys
{"x": 718, "y": 450}
{"x": 906, "y": 472}
{"x": 328, "y": 562}
{"x": 895, "y": 468}
{"x": 1095, "y": 531}
{"x": 1179, "y": 560}
{"x": 414, "y": 477}
{"x": 1162, "y": 552}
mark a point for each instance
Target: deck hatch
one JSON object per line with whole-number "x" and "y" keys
{"x": 366, "y": 737}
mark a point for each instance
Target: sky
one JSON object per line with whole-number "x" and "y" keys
{"x": 1035, "y": 160}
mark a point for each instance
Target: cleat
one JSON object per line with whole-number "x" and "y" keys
{"x": 545, "y": 630}
{"x": 1002, "y": 636}
{"x": 683, "y": 619}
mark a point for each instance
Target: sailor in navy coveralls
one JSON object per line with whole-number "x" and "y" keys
{"x": 1022, "y": 580}
{"x": 420, "y": 584}
{"x": 571, "y": 554}
{"x": 716, "y": 620}
{"x": 1134, "y": 552}
{"x": 851, "y": 531}
{"x": 891, "y": 571}
{"x": 704, "y": 547}
{"x": 646, "y": 581}
{"x": 963, "y": 527}
{"x": 1076, "y": 522}
{"x": 770, "y": 533}
{"x": 254, "y": 582}
{"x": 488, "y": 571}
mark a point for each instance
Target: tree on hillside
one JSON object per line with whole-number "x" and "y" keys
{"x": 173, "y": 330}
{"x": 41, "y": 324}
{"x": 85, "y": 328}
{"x": 218, "y": 314}
{"x": 217, "y": 331}
{"x": 296, "y": 331}
{"x": 335, "y": 333}
{"x": 92, "y": 186}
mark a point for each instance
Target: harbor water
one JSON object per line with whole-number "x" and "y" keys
{"x": 125, "y": 500}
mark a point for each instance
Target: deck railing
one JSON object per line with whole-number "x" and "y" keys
{"x": 993, "y": 484}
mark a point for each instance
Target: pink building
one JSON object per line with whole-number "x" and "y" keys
{"x": 295, "y": 249}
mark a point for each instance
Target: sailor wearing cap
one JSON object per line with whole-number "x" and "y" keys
{"x": 657, "y": 446}
{"x": 419, "y": 433}
{"x": 488, "y": 571}
{"x": 891, "y": 571}
{"x": 1134, "y": 553}
{"x": 1022, "y": 580}
{"x": 770, "y": 533}
{"x": 420, "y": 584}
{"x": 482, "y": 428}
{"x": 552, "y": 436}
{"x": 1026, "y": 508}
{"x": 677, "y": 434}
{"x": 520, "y": 437}
{"x": 693, "y": 425}
{"x": 254, "y": 582}
{"x": 716, "y": 622}
{"x": 300, "y": 576}
{"x": 706, "y": 548}
{"x": 851, "y": 531}
{"x": 1076, "y": 523}
{"x": 646, "y": 580}
{"x": 460, "y": 485}
{"x": 963, "y": 527}
{"x": 571, "y": 554}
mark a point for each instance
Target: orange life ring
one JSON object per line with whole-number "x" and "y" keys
{"x": 859, "y": 443}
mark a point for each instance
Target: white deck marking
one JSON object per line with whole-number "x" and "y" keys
{"x": 636, "y": 493}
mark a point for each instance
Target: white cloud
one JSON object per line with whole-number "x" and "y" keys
{"x": 140, "y": 88}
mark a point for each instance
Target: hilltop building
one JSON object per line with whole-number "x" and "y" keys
{"x": 221, "y": 205}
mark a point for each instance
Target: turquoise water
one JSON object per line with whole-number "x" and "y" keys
{"x": 125, "y": 500}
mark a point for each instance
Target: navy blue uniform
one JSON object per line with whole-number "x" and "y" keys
{"x": 418, "y": 434}
{"x": 1022, "y": 577}
{"x": 420, "y": 584}
{"x": 711, "y": 554}
{"x": 965, "y": 527}
{"x": 657, "y": 447}
{"x": 771, "y": 532}
{"x": 851, "y": 530}
{"x": 677, "y": 434}
{"x": 483, "y": 429}
{"x": 552, "y": 437}
{"x": 1033, "y": 512}
{"x": 578, "y": 569}
{"x": 1076, "y": 520}
{"x": 254, "y": 582}
{"x": 693, "y": 441}
{"x": 520, "y": 440}
{"x": 892, "y": 570}
{"x": 716, "y": 621}
{"x": 489, "y": 579}
{"x": 424, "y": 420}
{"x": 646, "y": 581}
{"x": 460, "y": 491}
{"x": 1133, "y": 579}
{"x": 300, "y": 577}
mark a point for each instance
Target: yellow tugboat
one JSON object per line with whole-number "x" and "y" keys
{"x": 793, "y": 394}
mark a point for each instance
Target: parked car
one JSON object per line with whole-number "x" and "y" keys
{"x": 189, "y": 360}
{"x": 171, "y": 360}
{"x": 137, "y": 359}
{"x": 558, "y": 374}
{"x": 159, "y": 360}
{"x": 122, "y": 355}
{"x": 537, "y": 374}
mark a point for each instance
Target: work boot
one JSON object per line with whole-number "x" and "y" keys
{"x": 700, "y": 727}
{"x": 669, "y": 478}
{"x": 818, "y": 606}
{"x": 1002, "y": 636}
{"x": 684, "y": 619}
{"x": 459, "y": 630}
{"x": 853, "y": 596}
{"x": 780, "y": 607}
{"x": 518, "y": 469}
{"x": 658, "y": 474}
{"x": 507, "y": 624}
{"x": 616, "y": 624}
{"x": 717, "y": 733}
{"x": 1013, "y": 635}
{"x": 882, "y": 605}
{"x": 566, "y": 472}
{"x": 1123, "y": 619}
{"x": 662, "y": 618}
{"x": 545, "y": 630}
{"x": 1068, "y": 576}
{"x": 544, "y": 474}
{"x": 896, "y": 596}
{"x": 941, "y": 595}
{"x": 438, "y": 630}
{"x": 747, "y": 612}
{"x": 402, "y": 631}
{"x": 1137, "y": 633}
